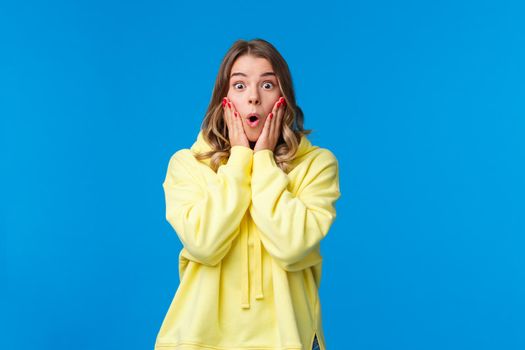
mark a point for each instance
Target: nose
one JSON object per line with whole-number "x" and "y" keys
{"x": 253, "y": 98}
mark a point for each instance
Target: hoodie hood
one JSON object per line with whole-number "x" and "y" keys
{"x": 199, "y": 146}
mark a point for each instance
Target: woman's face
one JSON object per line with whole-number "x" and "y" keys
{"x": 253, "y": 88}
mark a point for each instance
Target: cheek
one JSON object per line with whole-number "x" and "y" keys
{"x": 272, "y": 104}
{"x": 232, "y": 96}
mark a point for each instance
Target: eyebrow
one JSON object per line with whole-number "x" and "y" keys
{"x": 244, "y": 75}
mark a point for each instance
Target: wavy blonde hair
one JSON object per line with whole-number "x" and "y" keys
{"x": 215, "y": 130}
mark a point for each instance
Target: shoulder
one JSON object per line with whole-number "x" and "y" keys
{"x": 184, "y": 163}
{"x": 180, "y": 160}
{"x": 327, "y": 155}
{"x": 321, "y": 157}
{"x": 184, "y": 155}
{"x": 315, "y": 165}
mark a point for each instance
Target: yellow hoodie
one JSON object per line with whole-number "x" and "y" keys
{"x": 250, "y": 266}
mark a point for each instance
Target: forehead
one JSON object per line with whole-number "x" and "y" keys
{"x": 251, "y": 66}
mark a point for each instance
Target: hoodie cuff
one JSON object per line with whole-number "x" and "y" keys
{"x": 266, "y": 174}
{"x": 241, "y": 158}
{"x": 266, "y": 171}
{"x": 263, "y": 159}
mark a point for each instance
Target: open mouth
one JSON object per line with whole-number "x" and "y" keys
{"x": 253, "y": 120}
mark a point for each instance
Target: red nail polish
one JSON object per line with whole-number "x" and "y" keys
{"x": 271, "y": 115}
{"x": 230, "y": 105}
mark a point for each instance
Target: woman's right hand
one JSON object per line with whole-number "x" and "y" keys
{"x": 234, "y": 122}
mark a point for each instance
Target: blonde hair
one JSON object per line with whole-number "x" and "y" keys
{"x": 214, "y": 128}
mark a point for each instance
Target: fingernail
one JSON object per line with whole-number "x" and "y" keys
{"x": 230, "y": 105}
{"x": 271, "y": 115}
{"x": 224, "y": 101}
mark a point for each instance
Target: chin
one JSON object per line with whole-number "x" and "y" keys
{"x": 251, "y": 136}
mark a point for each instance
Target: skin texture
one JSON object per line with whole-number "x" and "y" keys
{"x": 253, "y": 93}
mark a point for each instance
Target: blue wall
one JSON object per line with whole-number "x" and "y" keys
{"x": 422, "y": 103}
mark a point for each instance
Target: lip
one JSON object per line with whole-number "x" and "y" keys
{"x": 255, "y": 123}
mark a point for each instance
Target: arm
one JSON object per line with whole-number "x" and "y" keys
{"x": 207, "y": 219}
{"x": 293, "y": 225}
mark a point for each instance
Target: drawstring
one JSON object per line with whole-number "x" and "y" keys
{"x": 245, "y": 299}
{"x": 245, "y": 268}
{"x": 258, "y": 269}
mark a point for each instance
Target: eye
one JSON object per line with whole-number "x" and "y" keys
{"x": 264, "y": 84}
{"x": 268, "y": 82}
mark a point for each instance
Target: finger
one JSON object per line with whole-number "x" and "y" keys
{"x": 279, "y": 119}
{"x": 236, "y": 121}
{"x": 274, "y": 115}
{"x": 267, "y": 125}
{"x": 227, "y": 117}
{"x": 238, "y": 124}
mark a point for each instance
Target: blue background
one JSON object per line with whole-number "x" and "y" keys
{"x": 422, "y": 103}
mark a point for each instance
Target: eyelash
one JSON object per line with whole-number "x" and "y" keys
{"x": 266, "y": 82}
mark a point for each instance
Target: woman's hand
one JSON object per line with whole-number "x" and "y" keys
{"x": 233, "y": 121}
{"x": 272, "y": 127}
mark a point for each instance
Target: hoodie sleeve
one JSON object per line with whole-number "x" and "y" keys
{"x": 293, "y": 225}
{"x": 207, "y": 218}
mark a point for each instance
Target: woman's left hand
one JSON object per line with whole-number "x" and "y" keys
{"x": 272, "y": 127}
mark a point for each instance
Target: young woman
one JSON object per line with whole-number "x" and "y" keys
{"x": 251, "y": 201}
